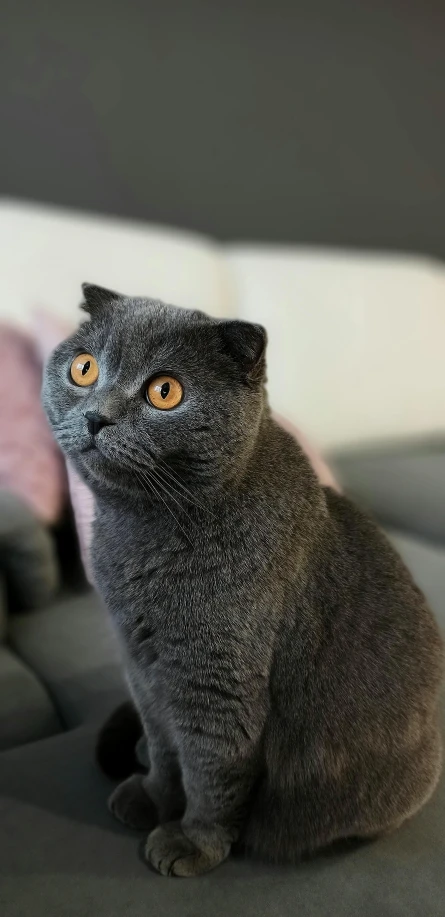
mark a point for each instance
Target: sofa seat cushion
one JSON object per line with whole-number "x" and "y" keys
{"x": 71, "y": 647}
{"x": 62, "y": 853}
{"x": 26, "y": 710}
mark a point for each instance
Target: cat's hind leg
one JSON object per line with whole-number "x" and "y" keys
{"x": 131, "y": 804}
{"x": 144, "y": 800}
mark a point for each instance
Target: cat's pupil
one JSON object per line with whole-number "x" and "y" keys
{"x": 165, "y": 388}
{"x": 86, "y": 367}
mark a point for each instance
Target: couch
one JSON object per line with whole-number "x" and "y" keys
{"x": 356, "y": 359}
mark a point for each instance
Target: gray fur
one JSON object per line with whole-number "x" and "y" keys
{"x": 285, "y": 667}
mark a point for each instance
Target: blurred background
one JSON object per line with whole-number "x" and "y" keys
{"x": 309, "y": 121}
{"x": 283, "y": 162}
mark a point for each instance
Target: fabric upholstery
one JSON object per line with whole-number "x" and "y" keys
{"x": 355, "y": 341}
{"x": 28, "y": 557}
{"x": 403, "y": 486}
{"x": 3, "y": 608}
{"x": 71, "y": 647}
{"x": 62, "y": 853}
{"x": 46, "y": 254}
{"x": 26, "y": 710}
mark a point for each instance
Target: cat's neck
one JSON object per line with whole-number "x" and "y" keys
{"x": 273, "y": 468}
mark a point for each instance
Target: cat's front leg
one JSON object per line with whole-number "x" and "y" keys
{"x": 163, "y": 783}
{"x": 217, "y": 789}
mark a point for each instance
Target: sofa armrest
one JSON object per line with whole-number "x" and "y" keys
{"x": 403, "y": 486}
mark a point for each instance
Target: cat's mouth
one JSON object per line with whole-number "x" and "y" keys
{"x": 95, "y": 446}
{"x": 94, "y": 456}
{"x": 92, "y": 453}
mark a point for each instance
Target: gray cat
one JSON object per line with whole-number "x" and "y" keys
{"x": 284, "y": 665}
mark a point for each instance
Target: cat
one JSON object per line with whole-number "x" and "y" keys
{"x": 284, "y": 665}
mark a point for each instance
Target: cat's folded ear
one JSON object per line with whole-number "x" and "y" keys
{"x": 97, "y": 298}
{"x": 246, "y": 343}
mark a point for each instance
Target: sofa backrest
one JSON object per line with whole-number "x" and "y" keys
{"x": 356, "y": 340}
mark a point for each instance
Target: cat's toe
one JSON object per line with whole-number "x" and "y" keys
{"x": 165, "y": 846}
{"x": 130, "y": 804}
{"x": 171, "y": 853}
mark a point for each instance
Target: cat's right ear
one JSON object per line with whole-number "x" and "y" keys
{"x": 96, "y": 299}
{"x": 246, "y": 344}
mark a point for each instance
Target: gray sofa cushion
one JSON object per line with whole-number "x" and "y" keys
{"x": 3, "y": 608}
{"x": 27, "y": 554}
{"x": 62, "y": 854}
{"x": 71, "y": 647}
{"x": 427, "y": 564}
{"x": 403, "y": 486}
{"x": 26, "y": 711}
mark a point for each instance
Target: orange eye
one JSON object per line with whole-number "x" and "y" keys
{"x": 164, "y": 392}
{"x": 84, "y": 369}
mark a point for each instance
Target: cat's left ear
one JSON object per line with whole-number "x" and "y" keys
{"x": 97, "y": 298}
{"x": 246, "y": 343}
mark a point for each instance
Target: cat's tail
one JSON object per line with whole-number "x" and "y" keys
{"x": 116, "y": 742}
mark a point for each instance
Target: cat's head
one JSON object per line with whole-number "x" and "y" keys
{"x": 143, "y": 386}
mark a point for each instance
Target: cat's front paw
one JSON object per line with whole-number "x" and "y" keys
{"x": 171, "y": 853}
{"x": 130, "y": 804}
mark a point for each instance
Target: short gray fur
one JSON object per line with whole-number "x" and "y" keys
{"x": 285, "y": 667}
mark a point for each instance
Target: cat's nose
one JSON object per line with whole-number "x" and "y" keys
{"x": 95, "y": 422}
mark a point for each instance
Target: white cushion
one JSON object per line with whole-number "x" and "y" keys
{"x": 356, "y": 342}
{"x": 45, "y": 255}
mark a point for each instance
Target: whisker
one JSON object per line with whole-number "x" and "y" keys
{"x": 187, "y": 493}
{"x": 156, "y": 480}
{"x": 169, "y": 488}
{"x": 141, "y": 477}
{"x": 175, "y": 483}
{"x": 144, "y": 487}
{"x": 164, "y": 469}
{"x": 166, "y": 487}
{"x": 171, "y": 485}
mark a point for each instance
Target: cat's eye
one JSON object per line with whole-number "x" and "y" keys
{"x": 164, "y": 392}
{"x": 84, "y": 369}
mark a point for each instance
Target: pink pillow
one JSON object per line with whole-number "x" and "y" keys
{"x": 82, "y": 501}
{"x": 49, "y": 332}
{"x": 31, "y": 464}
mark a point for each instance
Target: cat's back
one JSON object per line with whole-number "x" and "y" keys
{"x": 374, "y": 602}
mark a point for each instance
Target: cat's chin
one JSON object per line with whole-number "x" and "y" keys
{"x": 95, "y": 463}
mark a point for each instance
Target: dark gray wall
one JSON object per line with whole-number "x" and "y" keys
{"x": 301, "y": 121}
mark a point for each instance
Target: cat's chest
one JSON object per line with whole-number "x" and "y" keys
{"x": 136, "y": 566}
{"x": 151, "y": 579}
{"x": 178, "y": 598}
